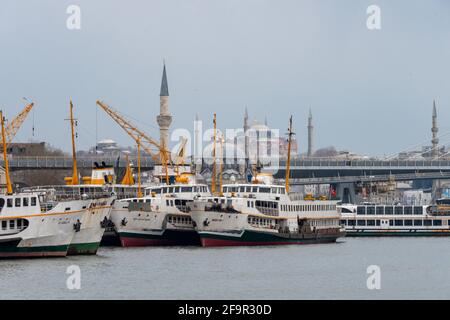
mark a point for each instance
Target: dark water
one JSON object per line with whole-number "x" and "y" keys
{"x": 410, "y": 268}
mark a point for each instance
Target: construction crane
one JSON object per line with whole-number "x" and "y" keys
{"x": 142, "y": 139}
{"x": 15, "y": 124}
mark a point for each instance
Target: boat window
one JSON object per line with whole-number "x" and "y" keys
{"x": 388, "y": 210}
{"x": 370, "y": 222}
{"x": 25, "y": 202}
{"x": 170, "y": 189}
{"x": 361, "y": 210}
{"x": 418, "y": 222}
{"x": 437, "y": 222}
{"x": 255, "y": 189}
{"x": 380, "y": 210}
{"x": 408, "y": 210}
{"x": 398, "y": 210}
{"x": 186, "y": 189}
{"x": 427, "y": 223}
{"x": 274, "y": 190}
{"x": 351, "y": 222}
{"x": 241, "y": 189}
{"x": 17, "y": 202}
{"x": 4, "y": 225}
{"x": 19, "y": 224}
{"x": 148, "y": 200}
{"x": 418, "y": 210}
{"x": 12, "y": 224}
{"x": 408, "y": 222}
{"x": 264, "y": 190}
{"x": 377, "y": 222}
{"x": 361, "y": 222}
{"x": 370, "y": 210}
{"x": 157, "y": 191}
{"x": 282, "y": 191}
{"x": 2, "y": 202}
{"x": 167, "y": 202}
{"x": 176, "y": 189}
{"x": 398, "y": 222}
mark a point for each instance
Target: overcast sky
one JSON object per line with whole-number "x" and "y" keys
{"x": 370, "y": 91}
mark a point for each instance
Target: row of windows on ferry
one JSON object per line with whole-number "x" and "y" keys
{"x": 18, "y": 202}
{"x": 15, "y": 224}
{"x": 396, "y": 222}
{"x": 383, "y": 210}
{"x": 308, "y": 207}
{"x": 254, "y": 189}
{"x": 176, "y": 189}
{"x": 272, "y": 223}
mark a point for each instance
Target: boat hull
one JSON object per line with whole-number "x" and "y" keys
{"x": 87, "y": 239}
{"x": 163, "y": 238}
{"x": 257, "y": 238}
{"x": 16, "y": 249}
{"x": 398, "y": 233}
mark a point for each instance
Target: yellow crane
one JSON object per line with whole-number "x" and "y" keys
{"x": 142, "y": 139}
{"x": 9, "y": 190}
{"x": 74, "y": 180}
{"x": 15, "y": 124}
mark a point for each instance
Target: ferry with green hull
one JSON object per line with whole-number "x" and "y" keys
{"x": 263, "y": 213}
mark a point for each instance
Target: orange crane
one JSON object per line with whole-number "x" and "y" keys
{"x": 142, "y": 139}
{"x": 15, "y": 124}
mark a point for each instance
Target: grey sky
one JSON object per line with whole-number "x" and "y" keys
{"x": 370, "y": 91}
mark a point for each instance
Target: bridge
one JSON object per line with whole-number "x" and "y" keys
{"x": 300, "y": 168}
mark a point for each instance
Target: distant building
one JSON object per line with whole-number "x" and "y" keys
{"x": 26, "y": 149}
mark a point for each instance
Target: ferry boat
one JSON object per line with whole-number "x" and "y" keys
{"x": 161, "y": 217}
{"x": 262, "y": 213}
{"x": 33, "y": 225}
{"x": 396, "y": 220}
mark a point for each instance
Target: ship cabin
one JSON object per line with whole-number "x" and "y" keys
{"x": 14, "y": 209}
{"x": 178, "y": 191}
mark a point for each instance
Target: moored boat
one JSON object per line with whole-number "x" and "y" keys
{"x": 263, "y": 214}
{"x": 161, "y": 216}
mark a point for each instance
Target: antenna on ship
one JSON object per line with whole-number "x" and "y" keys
{"x": 290, "y": 133}
{"x": 9, "y": 190}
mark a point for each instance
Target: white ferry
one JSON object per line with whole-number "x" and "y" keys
{"x": 161, "y": 216}
{"x": 33, "y": 225}
{"x": 262, "y": 213}
{"x": 396, "y": 220}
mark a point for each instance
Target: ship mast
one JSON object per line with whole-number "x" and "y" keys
{"x": 213, "y": 186}
{"x": 221, "y": 166}
{"x": 288, "y": 162}
{"x": 9, "y": 190}
{"x": 75, "y": 180}
{"x": 139, "y": 193}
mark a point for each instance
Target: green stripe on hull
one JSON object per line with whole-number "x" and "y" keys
{"x": 83, "y": 248}
{"x": 34, "y": 249}
{"x": 263, "y": 237}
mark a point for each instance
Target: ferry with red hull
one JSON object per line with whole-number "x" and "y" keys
{"x": 262, "y": 213}
{"x": 161, "y": 217}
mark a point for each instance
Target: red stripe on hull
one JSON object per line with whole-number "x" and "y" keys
{"x": 142, "y": 242}
{"x": 33, "y": 254}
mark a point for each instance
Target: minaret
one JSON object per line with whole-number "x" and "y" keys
{"x": 246, "y": 127}
{"x": 310, "y": 134}
{"x": 164, "y": 118}
{"x": 434, "y": 130}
